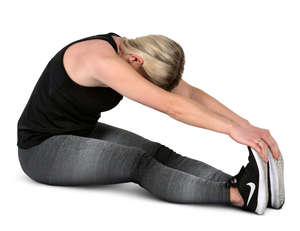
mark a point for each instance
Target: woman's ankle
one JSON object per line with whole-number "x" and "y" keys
{"x": 235, "y": 197}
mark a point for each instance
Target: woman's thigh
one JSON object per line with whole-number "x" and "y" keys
{"x": 77, "y": 160}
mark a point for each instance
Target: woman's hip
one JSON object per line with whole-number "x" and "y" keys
{"x": 76, "y": 160}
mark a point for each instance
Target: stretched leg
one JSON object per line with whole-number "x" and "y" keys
{"x": 162, "y": 153}
{"x": 76, "y": 160}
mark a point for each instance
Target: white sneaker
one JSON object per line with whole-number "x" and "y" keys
{"x": 276, "y": 182}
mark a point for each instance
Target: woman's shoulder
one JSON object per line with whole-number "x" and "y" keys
{"x": 78, "y": 55}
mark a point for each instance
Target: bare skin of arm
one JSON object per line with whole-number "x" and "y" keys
{"x": 213, "y": 104}
{"x": 241, "y": 124}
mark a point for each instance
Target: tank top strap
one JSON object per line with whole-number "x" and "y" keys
{"x": 112, "y": 33}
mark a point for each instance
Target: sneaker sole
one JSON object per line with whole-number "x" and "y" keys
{"x": 276, "y": 178}
{"x": 263, "y": 195}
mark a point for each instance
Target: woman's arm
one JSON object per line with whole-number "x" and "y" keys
{"x": 120, "y": 76}
{"x": 190, "y": 112}
{"x": 213, "y": 104}
{"x": 237, "y": 133}
{"x": 116, "y": 73}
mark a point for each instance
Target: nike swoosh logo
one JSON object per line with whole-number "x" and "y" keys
{"x": 252, "y": 188}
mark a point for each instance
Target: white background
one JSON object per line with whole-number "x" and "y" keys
{"x": 244, "y": 53}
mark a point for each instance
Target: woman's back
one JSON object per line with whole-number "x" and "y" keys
{"x": 59, "y": 105}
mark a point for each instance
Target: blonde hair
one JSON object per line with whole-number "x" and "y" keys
{"x": 164, "y": 58}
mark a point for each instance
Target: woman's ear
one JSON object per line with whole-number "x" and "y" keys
{"x": 136, "y": 58}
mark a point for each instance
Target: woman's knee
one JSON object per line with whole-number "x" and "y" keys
{"x": 165, "y": 154}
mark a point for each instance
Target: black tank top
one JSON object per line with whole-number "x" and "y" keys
{"x": 58, "y": 105}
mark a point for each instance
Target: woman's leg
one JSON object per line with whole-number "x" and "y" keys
{"x": 160, "y": 152}
{"x": 77, "y": 160}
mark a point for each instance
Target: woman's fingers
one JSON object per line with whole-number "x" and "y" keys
{"x": 264, "y": 150}
{"x": 267, "y": 137}
{"x": 261, "y": 149}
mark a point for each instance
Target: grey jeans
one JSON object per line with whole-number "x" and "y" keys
{"x": 110, "y": 155}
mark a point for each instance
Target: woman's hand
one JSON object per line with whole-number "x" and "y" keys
{"x": 268, "y": 139}
{"x": 257, "y": 138}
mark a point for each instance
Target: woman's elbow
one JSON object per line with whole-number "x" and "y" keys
{"x": 173, "y": 107}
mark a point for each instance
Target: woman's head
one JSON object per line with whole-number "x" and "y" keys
{"x": 158, "y": 58}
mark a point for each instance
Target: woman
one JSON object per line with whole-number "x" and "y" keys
{"x": 61, "y": 142}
